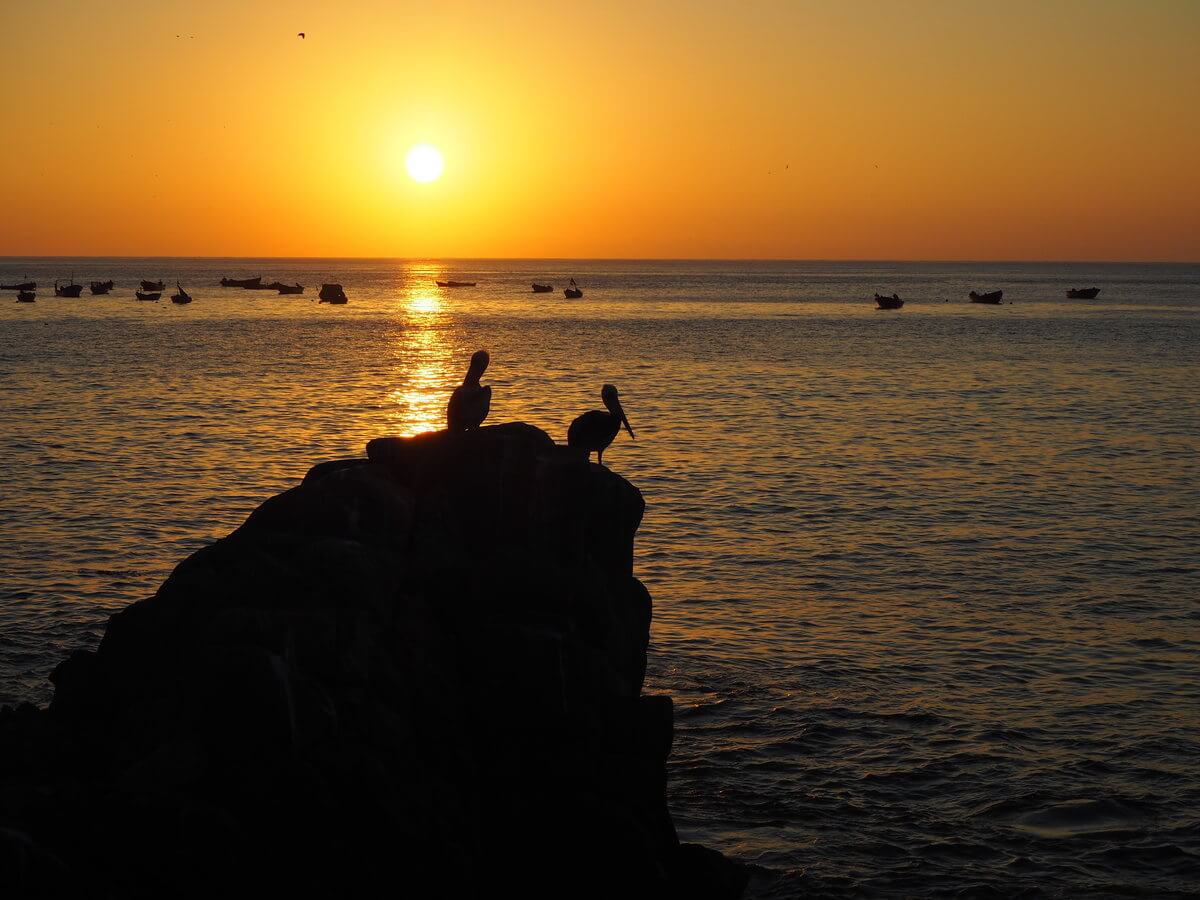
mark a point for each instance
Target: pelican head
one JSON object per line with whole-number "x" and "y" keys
{"x": 479, "y": 364}
{"x": 612, "y": 403}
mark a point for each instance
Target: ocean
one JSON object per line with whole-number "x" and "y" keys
{"x": 925, "y": 581}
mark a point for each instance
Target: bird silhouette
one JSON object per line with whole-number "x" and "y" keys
{"x": 596, "y": 429}
{"x": 469, "y": 403}
{"x": 300, "y": 34}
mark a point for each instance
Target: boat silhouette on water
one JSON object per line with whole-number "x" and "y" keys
{"x": 248, "y": 283}
{"x": 182, "y": 297}
{"x": 68, "y": 290}
{"x": 1083, "y": 293}
{"x": 291, "y": 289}
{"x": 26, "y": 296}
{"x": 100, "y": 287}
{"x": 543, "y": 288}
{"x": 23, "y": 286}
{"x": 574, "y": 292}
{"x": 152, "y": 285}
{"x": 150, "y": 295}
{"x": 990, "y": 297}
{"x": 449, "y": 284}
{"x": 892, "y": 302}
{"x": 333, "y": 293}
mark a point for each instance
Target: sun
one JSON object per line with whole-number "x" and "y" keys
{"x": 424, "y": 163}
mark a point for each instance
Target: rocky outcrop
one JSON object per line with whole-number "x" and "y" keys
{"x": 417, "y": 673}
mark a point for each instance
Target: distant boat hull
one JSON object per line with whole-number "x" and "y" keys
{"x": 181, "y": 299}
{"x": 68, "y": 290}
{"x": 882, "y": 302}
{"x": 291, "y": 289}
{"x": 101, "y": 287}
{"x": 152, "y": 285}
{"x": 573, "y": 293}
{"x": 26, "y": 296}
{"x": 249, "y": 283}
{"x": 333, "y": 293}
{"x": 23, "y": 286}
{"x": 543, "y": 288}
{"x": 990, "y": 297}
{"x": 147, "y": 296}
{"x": 449, "y": 284}
{"x": 1083, "y": 293}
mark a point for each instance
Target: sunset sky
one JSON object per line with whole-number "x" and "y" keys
{"x": 834, "y": 130}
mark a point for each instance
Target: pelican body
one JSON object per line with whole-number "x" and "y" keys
{"x": 596, "y": 429}
{"x": 470, "y": 401}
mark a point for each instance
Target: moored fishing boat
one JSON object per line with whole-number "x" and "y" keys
{"x": 101, "y": 287}
{"x": 333, "y": 293}
{"x": 23, "y": 286}
{"x": 250, "y": 283}
{"x": 182, "y": 297}
{"x": 291, "y": 289}
{"x": 68, "y": 290}
{"x": 452, "y": 284}
{"x": 989, "y": 297}
{"x": 152, "y": 295}
{"x": 26, "y": 296}
{"x": 574, "y": 292}
{"x": 892, "y": 302}
{"x": 542, "y": 288}
{"x": 152, "y": 285}
{"x": 1083, "y": 293}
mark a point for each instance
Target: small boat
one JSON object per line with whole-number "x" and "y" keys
{"x": 249, "y": 283}
{"x": 574, "y": 292}
{"x": 101, "y": 287}
{"x": 333, "y": 293}
{"x": 892, "y": 302}
{"x": 990, "y": 297}
{"x": 26, "y": 296}
{"x": 1083, "y": 293}
{"x": 456, "y": 283}
{"x": 152, "y": 285}
{"x": 68, "y": 290}
{"x": 23, "y": 286}
{"x": 182, "y": 297}
{"x": 148, "y": 296}
{"x": 291, "y": 289}
{"x": 543, "y": 288}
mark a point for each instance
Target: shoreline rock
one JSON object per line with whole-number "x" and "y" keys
{"x": 421, "y": 670}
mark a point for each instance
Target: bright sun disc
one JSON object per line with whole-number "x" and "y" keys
{"x": 424, "y": 163}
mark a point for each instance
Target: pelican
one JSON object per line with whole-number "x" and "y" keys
{"x": 596, "y": 429}
{"x": 469, "y": 403}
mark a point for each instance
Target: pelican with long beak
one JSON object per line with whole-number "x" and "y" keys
{"x": 596, "y": 429}
{"x": 470, "y": 401}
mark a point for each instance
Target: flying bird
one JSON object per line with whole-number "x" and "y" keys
{"x": 469, "y": 403}
{"x": 300, "y": 34}
{"x": 596, "y": 429}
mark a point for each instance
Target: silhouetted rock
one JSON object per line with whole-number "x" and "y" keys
{"x": 419, "y": 671}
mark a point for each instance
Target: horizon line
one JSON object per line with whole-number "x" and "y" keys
{"x": 711, "y": 259}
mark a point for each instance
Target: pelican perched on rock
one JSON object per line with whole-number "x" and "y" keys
{"x": 596, "y": 429}
{"x": 469, "y": 403}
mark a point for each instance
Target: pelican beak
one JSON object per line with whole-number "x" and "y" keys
{"x": 625, "y": 422}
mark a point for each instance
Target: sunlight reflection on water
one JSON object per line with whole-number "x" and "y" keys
{"x": 423, "y": 357}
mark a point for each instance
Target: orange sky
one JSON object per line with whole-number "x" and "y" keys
{"x": 915, "y": 130}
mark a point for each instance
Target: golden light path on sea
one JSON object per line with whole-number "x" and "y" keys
{"x": 423, "y": 354}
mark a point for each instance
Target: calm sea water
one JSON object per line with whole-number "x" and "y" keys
{"x": 926, "y": 581}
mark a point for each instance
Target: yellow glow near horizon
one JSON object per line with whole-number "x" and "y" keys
{"x": 932, "y": 129}
{"x": 424, "y": 163}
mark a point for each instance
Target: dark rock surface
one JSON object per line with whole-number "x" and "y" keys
{"x": 418, "y": 674}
